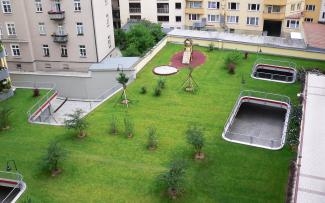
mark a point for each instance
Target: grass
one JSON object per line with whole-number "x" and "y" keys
{"x": 103, "y": 167}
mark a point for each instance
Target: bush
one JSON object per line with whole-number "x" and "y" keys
{"x": 152, "y": 138}
{"x": 113, "y": 126}
{"x": 173, "y": 180}
{"x": 157, "y": 91}
{"x": 5, "y": 113}
{"x": 36, "y": 92}
{"x": 55, "y": 154}
{"x": 77, "y": 123}
{"x": 143, "y": 90}
{"x": 234, "y": 57}
{"x": 211, "y": 47}
{"x": 293, "y": 133}
{"x": 231, "y": 68}
{"x": 128, "y": 127}
{"x": 195, "y": 137}
{"x": 161, "y": 83}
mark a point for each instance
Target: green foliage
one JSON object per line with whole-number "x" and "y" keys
{"x": 128, "y": 126}
{"x": 55, "y": 153}
{"x": 122, "y": 79}
{"x": 195, "y": 137}
{"x": 76, "y": 122}
{"x": 113, "y": 126}
{"x": 211, "y": 47}
{"x": 1, "y": 46}
{"x": 234, "y": 57}
{"x": 132, "y": 50}
{"x": 5, "y": 113}
{"x": 293, "y": 133}
{"x": 152, "y": 138}
{"x": 173, "y": 180}
{"x": 157, "y": 91}
{"x": 143, "y": 90}
{"x": 161, "y": 83}
{"x": 5, "y": 85}
{"x": 120, "y": 38}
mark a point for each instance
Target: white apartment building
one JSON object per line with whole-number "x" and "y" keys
{"x": 322, "y": 12}
{"x": 56, "y": 35}
{"x": 170, "y": 13}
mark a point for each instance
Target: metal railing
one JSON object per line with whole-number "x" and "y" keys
{"x": 273, "y": 76}
{"x": 162, "y": 10}
{"x": 135, "y": 10}
{"x": 275, "y": 63}
{"x": 11, "y": 177}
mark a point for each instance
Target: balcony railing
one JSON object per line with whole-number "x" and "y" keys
{"x": 4, "y": 73}
{"x": 135, "y": 10}
{"x": 163, "y": 10}
{"x": 273, "y": 15}
{"x": 60, "y": 38}
{"x": 56, "y": 15}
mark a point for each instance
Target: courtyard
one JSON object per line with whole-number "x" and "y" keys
{"x": 105, "y": 167}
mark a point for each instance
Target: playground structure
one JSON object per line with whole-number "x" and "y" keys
{"x": 6, "y": 89}
{"x": 190, "y": 85}
{"x": 12, "y": 187}
{"x": 274, "y": 70}
{"x": 259, "y": 119}
{"x": 188, "y": 50}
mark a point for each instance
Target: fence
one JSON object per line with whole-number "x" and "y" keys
{"x": 12, "y": 177}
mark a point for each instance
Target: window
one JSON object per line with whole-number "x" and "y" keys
{"x": 163, "y": 18}
{"x": 57, "y": 5}
{"x": 11, "y": 29}
{"x": 82, "y": 50}
{"x": 1, "y": 33}
{"x": 195, "y": 4}
{"x": 293, "y": 7}
{"x": 323, "y": 16}
{"x": 178, "y": 5}
{"x": 252, "y": 21}
{"x": 178, "y": 18}
{"x": 77, "y": 5}
{"x": 60, "y": 30}
{"x": 294, "y": 24}
{"x": 213, "y": 18}
{"x": 213, "y": 5}
{"x": 38, "y": 5}
{"x": 232, "y": 19}
{"x": 80, "y": 28}
{"x": 298, "y": 6}
{"x": 194, "y": 16}
{"x": 41, "y": 29}
{"x": 15, "y": 51}
{"x": 253, "y": 7}
{"x": 64, "y": 50}
{"x": 309, "y": 20}
{"x": 46, "y": 50}
{"x": 6, "y": 6}
{"x": 106, "y": 2}
{"x": 233, "y": 6}
{"x": 273, "y": 9}
{"x": 310, "y": 7}
{"x": 109, "y": 41}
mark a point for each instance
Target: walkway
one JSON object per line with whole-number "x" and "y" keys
{"x": 311, "y": 178}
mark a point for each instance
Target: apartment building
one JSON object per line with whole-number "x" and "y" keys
{"x": 312, "y": 10}
{"x": 322, "y": 12}
{"x": 170, "y": 13}
{"x": 56, "y": 35}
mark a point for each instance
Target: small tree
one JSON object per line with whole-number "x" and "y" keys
{"x": 195, "y": 137}
{"x": 173, "y": 179}
{"x": 54, "y": 155}
{"x": 113, "y": 126}
{"x": 128, "y": 127}
{"x": 211, "y": 47}
{"x": 161, "y": 83}
{"x": 152, "y": 138}
{"x": 143, "y": 90}
{"x": 5, "y": 113}
{"x": 36, "y": 92}
{"x": 123, "y": 80}
{"x": 157, "y": 91}
{"x": 77, "y": 123}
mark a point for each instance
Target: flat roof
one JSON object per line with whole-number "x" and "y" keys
{"x": 124, "y": 63}
{"x": 242, "y": 38}
{"x": 311, "y": 178}
{"x": 315, "y": 35}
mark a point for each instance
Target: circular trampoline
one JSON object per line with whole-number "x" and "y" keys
{"x": 165, "y": 70}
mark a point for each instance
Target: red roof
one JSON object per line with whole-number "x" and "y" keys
{"x": 315, "y": 35}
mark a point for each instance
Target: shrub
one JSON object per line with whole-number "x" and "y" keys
{"x": 211, "y": 47}
{"x": 55, "y": 154}
{"x": 157, "y": 91}
{"x": 245, "y": 55}
{"x": 122, "y": 79}
{"x": 173, "y": 180}
{"x": 195, "y": 137}
{"x": 231, "y": 68}
{"x": 161, "y": 83}
{"x": 293, "y": 133}
{"x": 5, "y": 113}
{"x": 152, "y": 138}
{"x": 113, "y": 126}
{"x": 128, "y": 127}
{"x": 234, "y": 57}
{"x": 36, "y": 92}
{"x": 77, "y": 123}
{"x": 143, "y": 90}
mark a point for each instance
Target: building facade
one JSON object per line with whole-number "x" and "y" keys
{"x": 56, "y": 35}
{"x": 268, "y": 17}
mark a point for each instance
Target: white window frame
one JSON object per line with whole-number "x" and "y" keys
{"x": 191, "y": 16}
{"x": 15, "y": 47}
{"x": 38, "y": 6}
{"x": 195, "y": 4}
{"x": 295, "y": 24}
{"x": 64, "y": 50}
{"x": 252, "y": 21}
{"x": 82, "y": 51}
{"x": 46, "y": 50}
{"x": 77, "y": 5}
{"x": 80, "y": 28}
{"x": 257, "y": 7}
{"x": 41, "y": 28}
{"x": 11, "y": 31}
{"x": 212, "y": 18}
{"x": 233, "y": 19}
{"x": 6, "y": 4}
{"x": 237, "y": 6}
{"x": 213, "y": 4}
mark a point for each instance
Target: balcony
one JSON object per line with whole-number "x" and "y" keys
{"x": 162, "y": 10}
{"x": 273, "y": 16}
{"x": 275, "y": 2}
{"x": 194, "y": 11}
{"x": 56, "y": 15}
{"x": 4, "y": 73}
{"x": 135, "y": 10}
{"x": 60, "y": 38}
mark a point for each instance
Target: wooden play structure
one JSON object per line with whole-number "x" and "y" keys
{"x": 188, "y": 50}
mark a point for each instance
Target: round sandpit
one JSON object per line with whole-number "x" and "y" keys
{"x": 198, "y": 58}
{"x": 165, "y": 70}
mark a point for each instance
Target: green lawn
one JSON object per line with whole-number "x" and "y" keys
{"x": 105, "y": 168}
